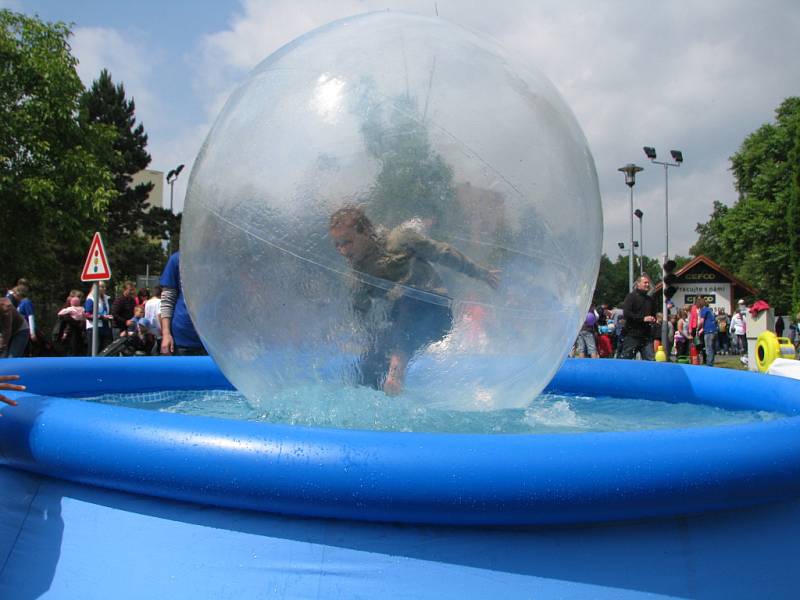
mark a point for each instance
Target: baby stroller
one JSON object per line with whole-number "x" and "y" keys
{"x": 132, "y": 344}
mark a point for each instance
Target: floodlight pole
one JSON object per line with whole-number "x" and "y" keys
{"x": 630, "y": 171}
{"x": 639, "y": 214}
{"x": 171, "y": 177}
{"x": 677, "y": 155}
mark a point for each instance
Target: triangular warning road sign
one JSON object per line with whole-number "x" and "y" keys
{"x": 96, "y": 267}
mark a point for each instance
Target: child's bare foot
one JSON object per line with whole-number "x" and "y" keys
{"x": 395, "y": 378}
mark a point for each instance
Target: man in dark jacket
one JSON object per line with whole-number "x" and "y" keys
{"x": 639, "y": 311}
{"x": 122, "y": 308}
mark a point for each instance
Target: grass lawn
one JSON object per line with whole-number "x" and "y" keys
{"x": 728, "y": 361}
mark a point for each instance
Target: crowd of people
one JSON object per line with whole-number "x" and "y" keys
{"x": 635, "y": 329}
{"x": 72, "y": 334}
{"x": 156, "y": 322}
{"x": 144, "y": 322}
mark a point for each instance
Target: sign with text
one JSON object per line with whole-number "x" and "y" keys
{"x": 709, "y": 298}
{"x": 96, "y": 266}
{"x": 703, "y": 273}
{"x": 718, "y": 295}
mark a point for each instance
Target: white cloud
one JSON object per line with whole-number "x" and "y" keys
{"x": 697, "y": 78}
{"x": 170, "y": 151}
{"x": 260, "y": 29}
{"x": 134, "y": 61}
{"x": 130, "y": 60}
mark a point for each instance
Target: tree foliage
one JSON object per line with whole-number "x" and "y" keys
{"x": 612, "y": 280}
{"x": 413, "y": 181}
{"x": 133, "y": 230}
{"x": 711, "y": 233}
{"x": 54, "y": 185}
{"x": 757, "y": 237}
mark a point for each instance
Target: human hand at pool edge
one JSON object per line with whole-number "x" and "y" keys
{"x": 10, "y": 386}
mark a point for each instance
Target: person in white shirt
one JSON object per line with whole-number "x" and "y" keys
{"x": 152, "y": 315}
{"x": 739, "y": 330}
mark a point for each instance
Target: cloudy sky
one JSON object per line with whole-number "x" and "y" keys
{"x": 694, "y": 76}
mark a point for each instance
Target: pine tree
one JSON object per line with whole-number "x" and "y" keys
{"x": 133, "y": 230}
{"x": 105, "y": 103}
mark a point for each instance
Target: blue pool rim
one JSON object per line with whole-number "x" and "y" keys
{"x": 409, "y": 477}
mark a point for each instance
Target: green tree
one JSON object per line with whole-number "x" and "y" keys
{"x": 133, "y": 230}
{"x": 413, "y": 179}
{"x": 711, "y": 234}
{"x": 612, "y": 280}
{"x": 757, "y": 237}
{"x": 54, "y": 187}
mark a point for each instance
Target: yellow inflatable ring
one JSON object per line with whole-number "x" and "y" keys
{"x": 767, "y": 350}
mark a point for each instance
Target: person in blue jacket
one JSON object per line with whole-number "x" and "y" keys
{"x": 707, "y": 327}
{"x": 179, "y": 335}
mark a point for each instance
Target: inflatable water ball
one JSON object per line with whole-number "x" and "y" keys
{"x": 391, "y": 205}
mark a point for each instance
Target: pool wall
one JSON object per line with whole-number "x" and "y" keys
{"x": 62, "y": 539}
{"x": 65, "y": 541}
{"x": 405, "y": 477}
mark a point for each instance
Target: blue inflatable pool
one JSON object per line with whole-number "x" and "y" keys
{"x": 410, "y": 477}
{"x": 95, "y": 505}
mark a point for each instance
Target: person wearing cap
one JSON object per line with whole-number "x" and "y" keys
{"x": 739, "y": 330}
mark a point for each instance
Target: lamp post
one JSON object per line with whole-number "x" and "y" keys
{"x": 677, "y": 156}
{"x": 639, "y": 214}
{"x": 171, "y": 177}
{"x": 630, "y": 171}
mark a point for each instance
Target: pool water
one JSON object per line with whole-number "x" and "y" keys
{"x": 548, "y": 413}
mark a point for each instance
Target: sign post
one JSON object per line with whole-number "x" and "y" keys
{"x": 96, "y": 269}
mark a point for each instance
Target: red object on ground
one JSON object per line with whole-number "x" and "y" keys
{"x": 694, "y": 354}
{"x": 604, "y": 347}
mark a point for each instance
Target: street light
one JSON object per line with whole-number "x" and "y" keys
{"x": 171, "y": 177}
{"x": 677, "y": 156}
{"x": 639, "y": 214}
{"x": 630, "y": 171}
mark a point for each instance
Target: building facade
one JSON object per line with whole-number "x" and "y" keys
{"x": 701, "y": 276}
{"x": 156, "y": 196}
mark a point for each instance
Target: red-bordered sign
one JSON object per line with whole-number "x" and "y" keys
{"x": 96, "y": 267}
